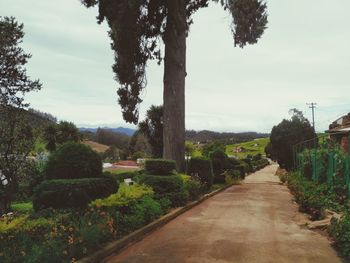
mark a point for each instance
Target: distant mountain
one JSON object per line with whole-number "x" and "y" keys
{"x": 123, "y": 130}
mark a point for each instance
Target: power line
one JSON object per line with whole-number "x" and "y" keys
{"x": 312, "y": 106}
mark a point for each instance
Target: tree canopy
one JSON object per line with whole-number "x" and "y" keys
{"x": 152, "y": 128}
{"x": 287, "y": 134}
{"x": 137, "y": 28}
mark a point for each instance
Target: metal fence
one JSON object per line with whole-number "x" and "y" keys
{"x": 323, "y": 161}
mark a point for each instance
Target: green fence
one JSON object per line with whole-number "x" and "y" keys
{"x": 322, "y": 161}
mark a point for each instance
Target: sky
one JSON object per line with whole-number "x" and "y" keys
{"x": 302, "y": 57}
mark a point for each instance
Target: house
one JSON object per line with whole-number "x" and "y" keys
{"x": 339, "y": 132}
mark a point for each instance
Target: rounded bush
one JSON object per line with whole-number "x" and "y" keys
{"x": 202, "y": 168}
{"x": 160, "y": 166}
{"x": 73, "y": 161}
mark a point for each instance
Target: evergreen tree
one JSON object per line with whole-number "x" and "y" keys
{"x": 137, "y": 28}
{"x": 16, "y": 137}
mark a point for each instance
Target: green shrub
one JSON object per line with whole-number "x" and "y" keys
{"x": 68, "y": 235}
{"x": 160, "y": 166}
{"x": 125, "y": 195}
{"x": 170, "y": 187}
{"x": 201, "y": 168}
{"x": 73, "y": 161}
{"x": 340, "y": 232}
{"x": 219, "y": 161}
{"x": 193, "y": 186}
{"x": 242, "y": 169}
{"x": 231, "y": 176}
{"x": 133, "y": 206}
{"x": 313, "y": 198}
{"x": 61, "y": 193}
{"x": 138, "y": 214}
{"x": 231, "y": 163}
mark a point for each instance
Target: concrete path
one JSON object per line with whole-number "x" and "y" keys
{"x": 252, "y": 222}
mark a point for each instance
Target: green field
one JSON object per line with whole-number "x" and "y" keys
{"x": 251, "y": 147}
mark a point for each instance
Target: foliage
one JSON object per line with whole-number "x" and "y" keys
{"x": 54, "y": 236}
{"x": 126, "y": 194}
{"x": 138, "y": 155}
{"x": 68, "y": 235}
{"x": 189, "y": 149}
{"x": 152, "y": 128}
{"x": 73, "y": 160}
{"x": 202, "y": 168}
{"x": 211, "y": 147}
{"x": 139, "y": 144}
{"x": 16, "y": 136}
{"x": 340, "y": 232}
{"x": 133, "y": 206}
{"x": 313, "y": 198}
{"x": 193, "y": 186}
{"x": 75, "y": 193}
{"x": 112, "y": 154}
{"x": 170, "y": 187}
{"x": 287, "y": 134}
{"x": 160, "y": 166}
{"x": 57, "y": 134}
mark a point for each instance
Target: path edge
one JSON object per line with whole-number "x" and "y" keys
{"x": 115, "y": 246}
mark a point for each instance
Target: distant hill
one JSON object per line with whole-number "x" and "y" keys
{"x": 98, "y": 147}
{"x": 226, "y": 137}
{"x": 123, "y": 130}
{"x": 37, "y": 119}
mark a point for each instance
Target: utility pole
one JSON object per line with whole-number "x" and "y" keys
{"x": 312, "y": 106}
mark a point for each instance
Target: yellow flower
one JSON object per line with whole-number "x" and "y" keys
{"x": 23, "y": 253}
{"x": 73, "y": 260}
{"x": 65, "y": 252}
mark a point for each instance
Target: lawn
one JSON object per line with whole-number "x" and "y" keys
{"x": 249, "y": 148}
{"x": 22, "y": 207}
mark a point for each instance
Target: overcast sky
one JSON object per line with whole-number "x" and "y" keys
{"x": 303, "y": 57}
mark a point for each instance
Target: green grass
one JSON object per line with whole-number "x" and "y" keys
{"x": 24, "y": 207}
{"x": 251, "y": 147}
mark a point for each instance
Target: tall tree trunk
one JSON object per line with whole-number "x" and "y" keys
{"x": 174, "y": 84}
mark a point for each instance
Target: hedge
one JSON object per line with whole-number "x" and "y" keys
{"x": 72, "y": 193}
{"x": 170, "y": 187}
{"x": 160, "y": 166}
{"x": 73, "y": 161}
{"x": 201, "y": 167}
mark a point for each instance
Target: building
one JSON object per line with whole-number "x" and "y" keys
{"x": 339, "y": 132}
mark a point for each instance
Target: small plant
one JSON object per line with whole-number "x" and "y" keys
{"x": 340, "y": 231}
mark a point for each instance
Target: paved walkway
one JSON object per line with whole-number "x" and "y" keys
{"x": 252, "y": 222}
